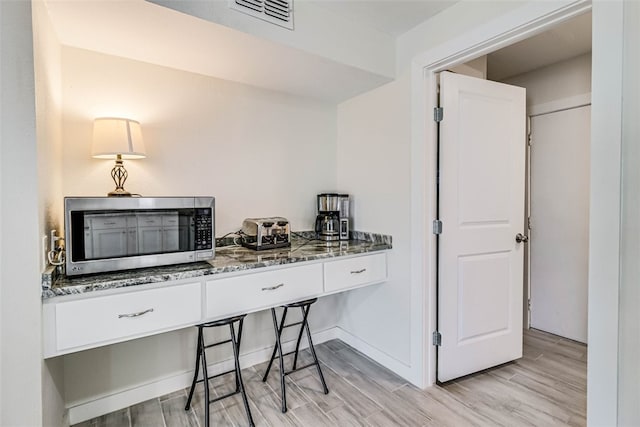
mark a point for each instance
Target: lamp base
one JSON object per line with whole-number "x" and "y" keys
{"x": 119, "y": 175}
{"x": 119, "y": 192}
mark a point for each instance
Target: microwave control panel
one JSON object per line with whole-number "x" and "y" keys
{"x": 203, "y": 229}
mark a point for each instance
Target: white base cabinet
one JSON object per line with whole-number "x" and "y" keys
{"x": 79, "y": 322}
{"x": 253, "y": 292}
{"x": 351, "y": 273}
{"x": 96, "y": 320}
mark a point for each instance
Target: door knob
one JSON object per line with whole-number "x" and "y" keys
{"x": 521, "y": 238}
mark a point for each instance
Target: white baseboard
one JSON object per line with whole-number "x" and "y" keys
{"x": 389, "y": 362}
{"x": 108, "y": 403}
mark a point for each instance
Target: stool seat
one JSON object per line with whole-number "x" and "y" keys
{"x": 201, "y": 358}
{"x": 300, "y": 303}
{"x": 222, "y": 322}
{"x": 304, "y": 306}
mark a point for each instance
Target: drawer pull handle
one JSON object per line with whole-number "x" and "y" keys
{"x": 138, "y": 314}
{"x": 359, "y": 271}
{"x": 273, "y": 288}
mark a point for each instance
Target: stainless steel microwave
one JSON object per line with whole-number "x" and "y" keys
{"x": 116, "y": 233}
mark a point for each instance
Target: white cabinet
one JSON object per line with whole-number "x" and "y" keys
{"x": 354, "y": 272}
{"x": 256, "y": 291}
{"x": 158, "y": 233}
{"x": 149, "y": 234}
{"x": 90, "y": 322}
{"x": 170, "y": 233}
{"x": 81, "y": 322}
{"x": 109, "y": 235}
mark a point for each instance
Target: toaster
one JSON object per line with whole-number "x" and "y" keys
{"x": 266, "y": 233}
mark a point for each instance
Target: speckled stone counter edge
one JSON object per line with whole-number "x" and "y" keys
{"x": 55, "y": 284}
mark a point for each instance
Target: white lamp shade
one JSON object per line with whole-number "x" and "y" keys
{"x": 113, "y": 136}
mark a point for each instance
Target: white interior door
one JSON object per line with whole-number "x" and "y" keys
{"x": 481, "y": 206}
{"x": 559, "y": 232}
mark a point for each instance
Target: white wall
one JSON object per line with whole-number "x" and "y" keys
{"x": 373, "y": 158}
{"x": 568, "y": 79}
{"x": 49, "y": 159}
{"x": 260, "y": 153}
{"x": 629, "y": 318}
{"x": 20, "y": 319}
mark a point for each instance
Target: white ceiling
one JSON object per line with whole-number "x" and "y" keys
{"x": 146, "y": 32}
{"x": 114, "y": 27}
{"x": 390, "y": 16}
{"x": 567, "y": 40}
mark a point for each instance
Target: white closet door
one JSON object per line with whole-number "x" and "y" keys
{"x": 559, "y": 235}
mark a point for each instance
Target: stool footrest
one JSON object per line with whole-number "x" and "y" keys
{"x": 217, "y": 343}
{"x": 285, "y": 354}
{"x": 292, "y": 324}
{"x": 224, "y": 397}
{"x": 300, "y": 368}
{"x": 216, "y": 376}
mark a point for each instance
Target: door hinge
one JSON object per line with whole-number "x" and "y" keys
{"x": 437, "y": 338}
{"x": 529, "y": 223}
{"x": 438, "y": 114}
{"x": 437, "y": 226}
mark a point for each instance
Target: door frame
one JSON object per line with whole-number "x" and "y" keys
{"x": 606, "y": 141}
{"x": 524, "y": 22}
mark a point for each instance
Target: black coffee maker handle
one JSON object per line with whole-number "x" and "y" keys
{"x": 319, "y": 219}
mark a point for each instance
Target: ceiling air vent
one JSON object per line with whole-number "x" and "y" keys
{"x": 279, "y": 12}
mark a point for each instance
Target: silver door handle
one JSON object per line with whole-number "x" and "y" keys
{"x": 138, "y": 314}
{"x": 273, "y": 288}
{"x": 359, "y": 271}
{"x": 520, "y": 238}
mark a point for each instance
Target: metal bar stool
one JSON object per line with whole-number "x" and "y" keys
{"x": 202, "y": 358}
{"x": 304, "y": 306}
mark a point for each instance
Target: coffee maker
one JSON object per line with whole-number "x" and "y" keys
{"x": 332, "y": 222}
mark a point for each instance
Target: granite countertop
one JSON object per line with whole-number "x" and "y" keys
{"x": 230, "y": 258}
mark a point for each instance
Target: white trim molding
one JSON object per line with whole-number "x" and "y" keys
{"x": 568, "y": 103}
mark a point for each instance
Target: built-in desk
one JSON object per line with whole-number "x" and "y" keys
{"x": 92, "y": 311}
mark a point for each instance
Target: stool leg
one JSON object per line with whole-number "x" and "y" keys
{"x": 283, "y": 389}
{"x": 278, "y": 331}
{"x": 206, "y": 382}
{"x": 239, "y": 383}
{"x": 315, "y": 358}
{"x": 305, "y": 313}
{"x": 195, "y": 375}
{"x": 239, "y": 337}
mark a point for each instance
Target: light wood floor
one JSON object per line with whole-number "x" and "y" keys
{"x": 547, "y": 387}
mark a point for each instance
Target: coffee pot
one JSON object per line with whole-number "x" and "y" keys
{"x": 332, "y": 221}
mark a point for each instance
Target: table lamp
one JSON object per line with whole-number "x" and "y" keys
{"x": 119, "y": 139}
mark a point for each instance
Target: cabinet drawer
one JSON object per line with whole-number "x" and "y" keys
{"x": 262, "y": 290}
{"x": 353, "y": 272}
{"x": 149, "y": 220}
{"x": 114, "y": 317}
{"x": 106, "y": 222}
